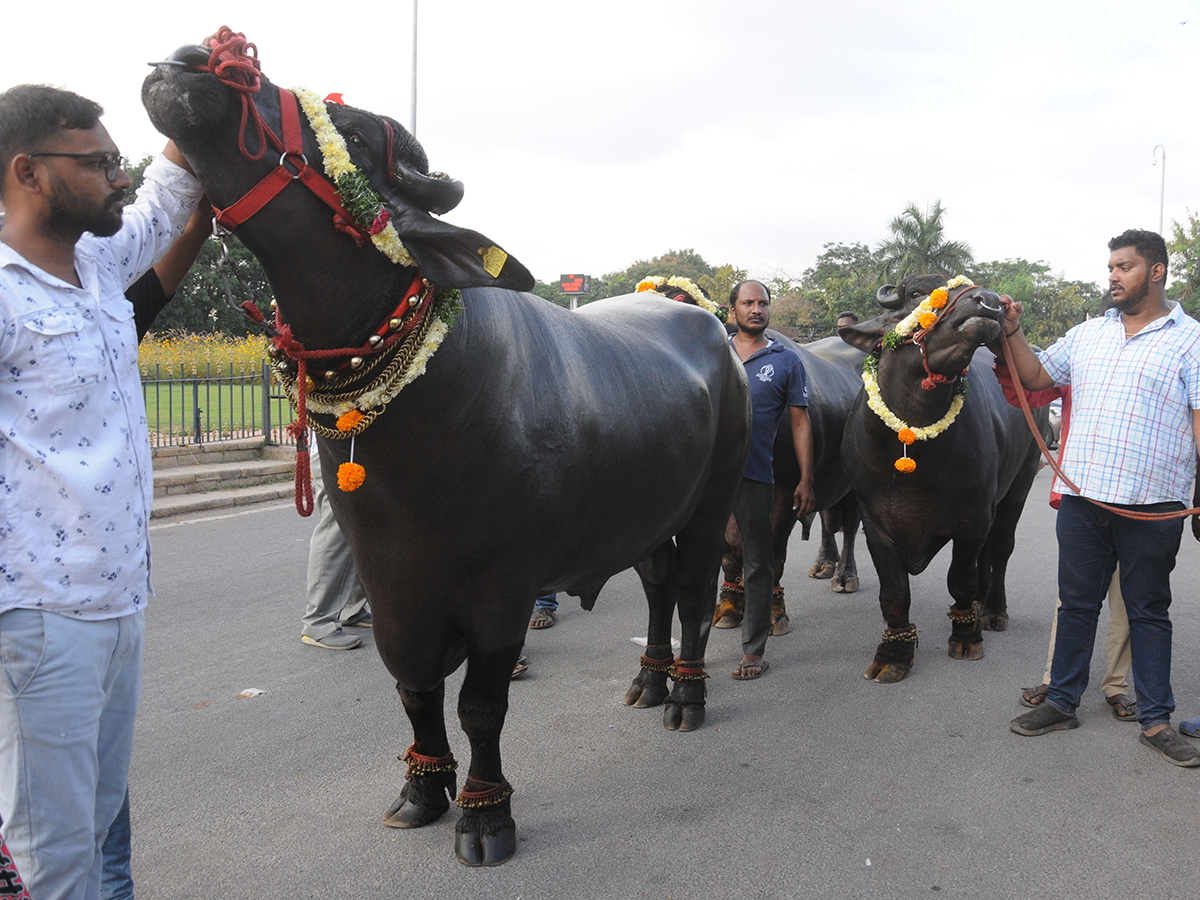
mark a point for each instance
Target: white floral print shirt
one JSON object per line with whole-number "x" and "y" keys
{"x": 75, "y": 481}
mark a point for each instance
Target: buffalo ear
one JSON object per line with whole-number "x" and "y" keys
{"x": 453, "y": 257}
{"x": 867, "y": 335}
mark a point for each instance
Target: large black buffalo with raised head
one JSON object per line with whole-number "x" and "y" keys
{"x": 535, "y": 450}
{"x": 972, "y": 470}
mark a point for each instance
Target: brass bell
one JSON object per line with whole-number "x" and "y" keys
{"x": 424, "y": 281}
{"x": 274, "y": 303}
{"x": 394, "y": 324}
{"x": 356, "y": 362}
{"x": 330, "y": 375}
{"x": 414, "y": 300}
{"x": 282, "y": 368}
{"x": 374, "y": 340}
{"x": 309, "y": 384}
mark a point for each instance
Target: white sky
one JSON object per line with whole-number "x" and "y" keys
{"x": 591, "y": 135}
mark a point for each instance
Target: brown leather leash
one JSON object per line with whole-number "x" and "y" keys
{"x": 1037, "y": 436}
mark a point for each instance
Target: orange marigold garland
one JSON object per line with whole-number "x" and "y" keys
{"x": 938, "y": 298}
{"x": 906, "y": 435}
{"x": 905, "y": 465}
{"x": 347, "y": 421}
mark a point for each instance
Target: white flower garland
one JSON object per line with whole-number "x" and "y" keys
{"x": 689, "y": 287}
{"x": 337, "y": 163}
{"x": 894, "y": 422}
{"x": 384, "y": 393}
{"x": 910, "y": 322}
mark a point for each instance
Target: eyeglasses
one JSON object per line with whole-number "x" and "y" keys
{"x": 111, "y": 162}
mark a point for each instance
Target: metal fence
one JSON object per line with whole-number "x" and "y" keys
{"x": 186, "y": 408}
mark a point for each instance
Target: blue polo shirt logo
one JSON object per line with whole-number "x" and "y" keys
{"x": 765, "y": 373}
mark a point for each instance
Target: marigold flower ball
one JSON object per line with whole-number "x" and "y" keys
{"x": 906, "y": 435}
{"x": 928, "y": 319}
{"x": 903, "y": 465}
{"x": 938, "y": 298}
{"x": 350, "y": 476}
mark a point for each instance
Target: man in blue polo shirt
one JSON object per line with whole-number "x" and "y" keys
{"x": 777, "y": 381}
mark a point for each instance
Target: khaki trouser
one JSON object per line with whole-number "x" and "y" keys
{"x": 1116, "y": 645}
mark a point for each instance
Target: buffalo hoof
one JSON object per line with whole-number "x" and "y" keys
{"x": 965, "y": 649}
{"x": 683, "y": 716}
{"x": 649, "y": 689}
{"x": 845, "y": 584}
{"x": 995, "y": 621}
{"x": 822, "y": 569}
{"x": 425, "y": 799}
{"x": 780, "y": 624}
{"x": 485, "y": 837}
{"x": 893, "y": 661}
{"x": 890, "y": 673}
{"x": 685, "y": 707}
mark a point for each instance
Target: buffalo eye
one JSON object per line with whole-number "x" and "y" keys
{"x": 356, "y": 139}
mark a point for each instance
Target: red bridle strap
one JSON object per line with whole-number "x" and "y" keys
{"x": 293, "y": 166}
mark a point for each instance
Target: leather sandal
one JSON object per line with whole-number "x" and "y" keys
{"x": 1124, "y": 707}
{"x": 1033, "y": 697}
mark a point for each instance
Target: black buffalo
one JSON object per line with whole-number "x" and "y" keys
{"x": 970, "y": 481}
{"x": 541, "y": 450}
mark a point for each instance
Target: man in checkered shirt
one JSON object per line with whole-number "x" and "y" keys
{"x": 1135, "y": 382}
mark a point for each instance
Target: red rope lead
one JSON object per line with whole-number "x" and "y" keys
{"x": 234, "y": 61}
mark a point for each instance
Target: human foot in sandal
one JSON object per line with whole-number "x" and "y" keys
{"x": 1035, "y": 696}
{"x": 1124, "y": 707}
{"x": 750, "y": 667}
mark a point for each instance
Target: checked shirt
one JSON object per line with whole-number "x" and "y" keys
{"x": 1131, "y": 438}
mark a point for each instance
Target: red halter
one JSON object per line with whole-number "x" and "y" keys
{"x": 234, "y": 62}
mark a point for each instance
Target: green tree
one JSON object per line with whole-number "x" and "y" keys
{"x": 845, "y": 278}
{"x": 1052, "y": 304}
{"x": 1184, "y": 249}
{"x": 918, "y": 245}
{"x": 199, "y": 306}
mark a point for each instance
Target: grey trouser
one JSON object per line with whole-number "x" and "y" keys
{"x": 334, "y": 592}
{"x": 752, "y": 510}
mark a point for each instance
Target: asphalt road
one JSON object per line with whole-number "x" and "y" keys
{"x": 810, "y": 782}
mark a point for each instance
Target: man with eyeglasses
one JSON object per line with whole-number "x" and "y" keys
{"x": 75, "y": 476}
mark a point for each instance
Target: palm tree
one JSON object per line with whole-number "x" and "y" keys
{"x": 918, "y": 245}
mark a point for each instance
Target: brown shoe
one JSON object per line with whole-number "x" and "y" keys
{"x": 543, "y": 618}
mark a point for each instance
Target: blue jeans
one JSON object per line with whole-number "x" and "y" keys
{"x": 550, "y": 601}
{"x": 69, "y": 691}
{"x": 116, "y": 879}
{"x": 1091, "y": 541}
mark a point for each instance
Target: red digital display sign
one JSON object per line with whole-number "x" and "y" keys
{"x": 575, "y": 284}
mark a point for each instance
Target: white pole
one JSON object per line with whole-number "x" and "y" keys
{"x": 1162, "y": 193}
{"x": 413, "y": 118}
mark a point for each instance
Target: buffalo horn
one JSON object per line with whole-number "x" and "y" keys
{"x": 437, "y": 193}
{"x": 888, "y": 298}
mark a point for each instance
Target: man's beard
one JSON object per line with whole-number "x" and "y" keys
{"x": 754, "y": 330}
{"x": 70, "y": 214}
{"x": 1131, "y": 300}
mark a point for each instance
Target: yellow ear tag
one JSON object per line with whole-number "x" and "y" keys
{"x": 493, "y": 260}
